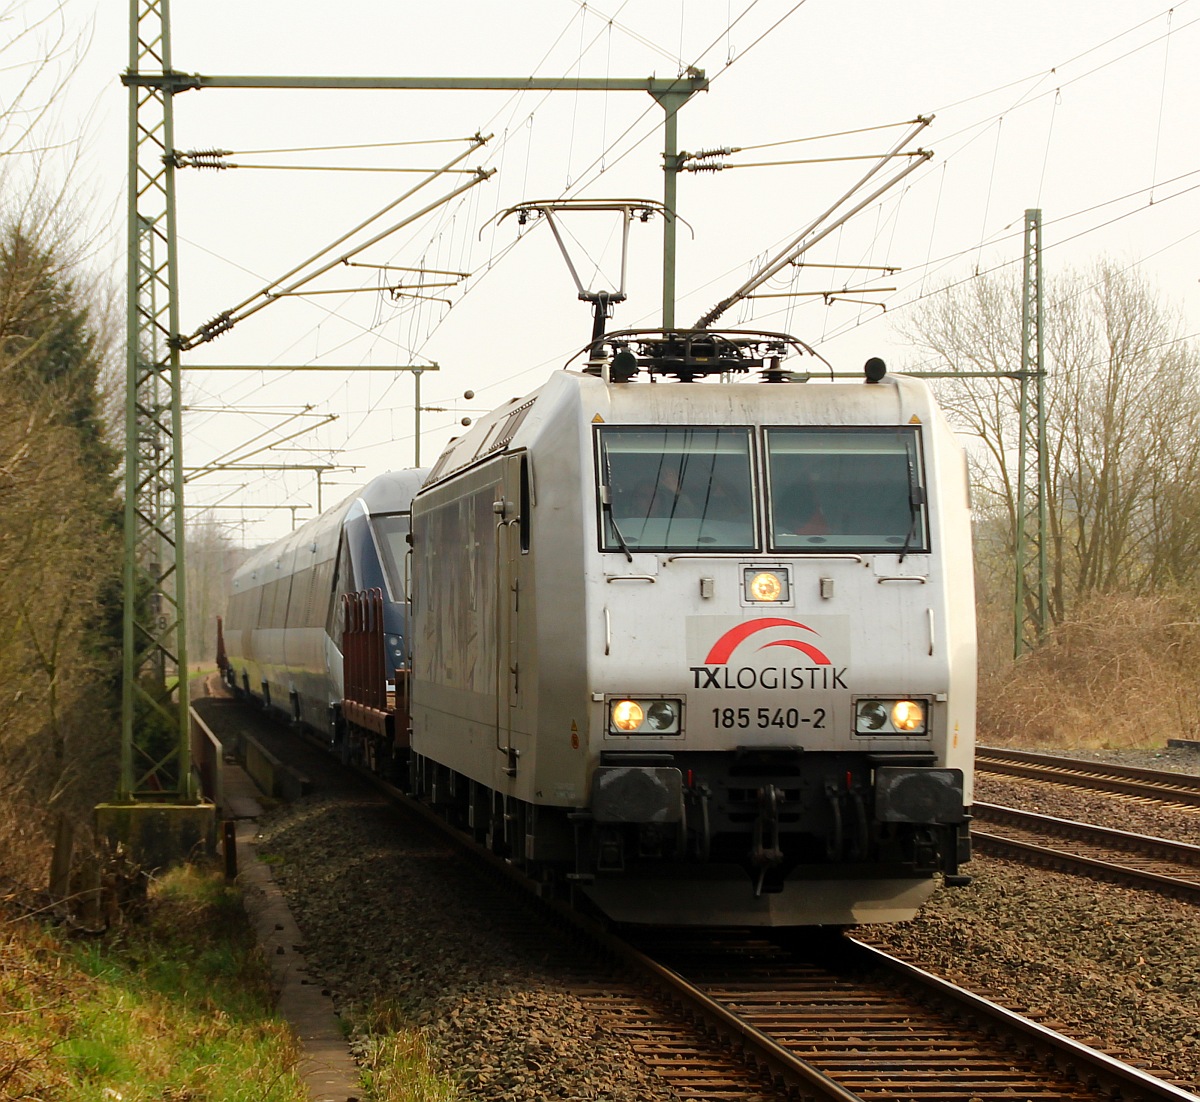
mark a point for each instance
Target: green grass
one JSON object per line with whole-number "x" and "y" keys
{"x": 174, "y": 1004}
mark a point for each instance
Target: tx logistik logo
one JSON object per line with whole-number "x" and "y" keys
{"x": 716, "y": 672}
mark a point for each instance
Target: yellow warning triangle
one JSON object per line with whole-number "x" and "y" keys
{"x": 914, "y": 420}
{"x": 597, "y": 420}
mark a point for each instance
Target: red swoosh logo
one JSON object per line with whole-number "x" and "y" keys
{"x": 796, "y": 644}
{"x": 725, "y": 646}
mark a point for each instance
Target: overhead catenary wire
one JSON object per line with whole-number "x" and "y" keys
{"x": 496, "y": 257}
{"x": 647, "y": 111}
{"x": 1074, "y": 58}
{"x": 601, "y": 159}
{"x": 1046, "y": 155}
{"x": 812, "y": 233}
{"x": 611, "y": 21}
{"x": 332, "y": 168}
{"x": 1017, "y": 259}
{"x": 1026, "y": 99}
{"x": 493, "y": 260}
{"x": 1162, "y": 97}
{"x": 802, "y": 161}
{"x": 354, "y": 146}
{"x": 227, "y": 319}
{"x": 224, "y": 462}
{"x": 1049, "y": 245}
{"x": 824, "y": 137}
{"x": 475, "y": 143}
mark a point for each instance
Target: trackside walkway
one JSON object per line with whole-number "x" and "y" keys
{"x": 325, "y": 1061}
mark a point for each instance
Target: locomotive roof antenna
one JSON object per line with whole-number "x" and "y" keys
{"x": 602, "y": 301}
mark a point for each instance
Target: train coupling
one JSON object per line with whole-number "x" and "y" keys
{"x": 766, "y": 852}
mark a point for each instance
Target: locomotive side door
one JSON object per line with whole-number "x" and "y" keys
{"x": 510, "y": 509}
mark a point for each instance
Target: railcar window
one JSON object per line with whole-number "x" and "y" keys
{"x": 391, "y": 534}
{"x": 254, "y": 606}
{"x": 851, "y": 489}
{"x": 343, "y": 582}
{"x": 677, "y": 489}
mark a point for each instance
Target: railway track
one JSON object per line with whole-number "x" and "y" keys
{"x": 1117, "y": 856}
{"x": 1150, "y": 784}
{"x": 838, "y": 1019}
{"x": 821, "y": 1016}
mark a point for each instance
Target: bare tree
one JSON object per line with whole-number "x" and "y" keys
{"x": 59, "y": 523}
{"x": 1122, "y": 413}
{"x": 60, "y": 545}
{"x": 212, "y": 557}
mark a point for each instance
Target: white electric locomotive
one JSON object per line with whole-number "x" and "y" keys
{"x": 703, "y": 649}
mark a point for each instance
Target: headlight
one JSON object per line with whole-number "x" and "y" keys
{"x": 662, "y": 716}
{"x": 627, "y": 715}
{"x": 908, "y": 715}
{"x": 766, "y": 586}
{"x": 889, "y": 717}
{"x": 645, "y": 717}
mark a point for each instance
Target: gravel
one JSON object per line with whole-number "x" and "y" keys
{"x": 1116, "y": 968}
{"x": 401, "y": 928}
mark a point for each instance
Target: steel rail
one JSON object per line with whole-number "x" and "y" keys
{"x": 1047, "y": 857}
{"x": 696, "y": 1042}
{"x": 805, "y": 1076}
{"x": 1160, "y": 849}
{"x": 1181, "y": 880}
{"x": 1074, "y": 1058}
{"x": 1179, "y": 788}
{"x": 775, "y": 1060}
{"x": 781, "y": 1064}
{"x": 885, "y": 1028}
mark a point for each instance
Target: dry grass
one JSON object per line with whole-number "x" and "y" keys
{"x": 398, "y": 1066}
{"x": 1120, "y": 673}
{"x": 25, "y": 847}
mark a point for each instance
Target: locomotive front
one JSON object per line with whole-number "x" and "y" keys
{"x": 787, "y": 667}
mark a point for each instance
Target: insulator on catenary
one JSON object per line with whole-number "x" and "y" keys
{"x": 204, "y": 158}
{"x": 715, "y": 167}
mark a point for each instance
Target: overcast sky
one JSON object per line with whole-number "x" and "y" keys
{"x": 1086, "y": 110}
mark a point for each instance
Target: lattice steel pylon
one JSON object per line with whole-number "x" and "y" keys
{"x": 155, "y": 757}
{"x": 1031, "y": 597}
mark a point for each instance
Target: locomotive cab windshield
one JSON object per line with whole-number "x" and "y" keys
{"x": 846, "y": 489}
{"x": 392, "y": 534}
{"x": 827, "y": 489}
{"x": 678, "y": 489}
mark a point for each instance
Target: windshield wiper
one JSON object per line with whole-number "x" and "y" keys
{"x": 916, "y": 498}
{"x": 606, "y": 504}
